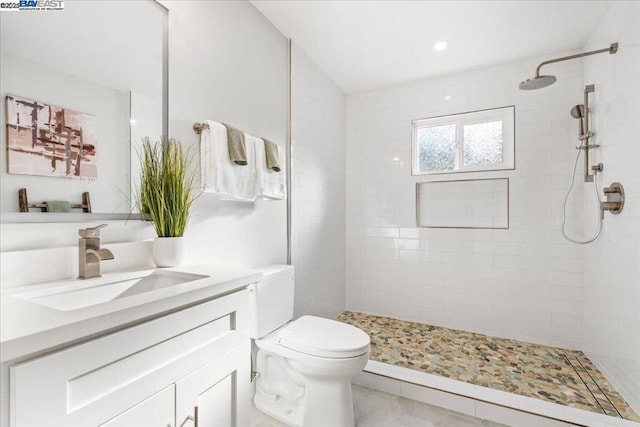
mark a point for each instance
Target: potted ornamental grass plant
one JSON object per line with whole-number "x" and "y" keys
{"x": 165, "y": 196}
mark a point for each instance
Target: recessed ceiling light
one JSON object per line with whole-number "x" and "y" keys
{"x": 440, "y": 46}
{"x": 447, "y": 98}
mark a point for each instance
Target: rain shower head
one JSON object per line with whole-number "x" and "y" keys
{"x": 537, "y": 82}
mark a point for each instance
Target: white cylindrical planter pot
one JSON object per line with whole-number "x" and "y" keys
{"x": 169, "y": 251}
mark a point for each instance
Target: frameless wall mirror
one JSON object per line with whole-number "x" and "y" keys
{"x": 78, "y": 86}
{"x": 474, "y": 203}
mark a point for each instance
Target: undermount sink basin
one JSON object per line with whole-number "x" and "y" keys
{"x": 80, "y": 294}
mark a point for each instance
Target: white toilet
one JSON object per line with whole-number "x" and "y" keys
{"x": 304, "y": 367}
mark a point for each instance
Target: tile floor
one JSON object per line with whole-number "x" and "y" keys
{"x": 374, "y": 408}
{"x": 548, "y": 373}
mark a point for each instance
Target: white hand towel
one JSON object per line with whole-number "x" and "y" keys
{"x": 220, "y": 175}
{"x": 269, "y": 183}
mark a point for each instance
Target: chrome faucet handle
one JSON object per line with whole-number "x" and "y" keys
{"x": 91, "y": 231}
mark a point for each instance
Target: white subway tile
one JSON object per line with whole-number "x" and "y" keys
{"x": 564, "y": 321}
{"x": 568, "y": 293}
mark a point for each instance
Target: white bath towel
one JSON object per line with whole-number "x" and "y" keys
{"x": 269, "y": 183}
{"x": 218, "y": 174}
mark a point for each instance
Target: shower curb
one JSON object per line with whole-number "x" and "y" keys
{"x": 482, "y": 402}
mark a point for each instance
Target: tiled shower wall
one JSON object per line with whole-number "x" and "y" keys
{"x": 318, "y": 193}
{"x": 612, "y": 263}
{"x": 525, "y": 282}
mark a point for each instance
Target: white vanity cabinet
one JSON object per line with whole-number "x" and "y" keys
{"x": 154, "y": 373}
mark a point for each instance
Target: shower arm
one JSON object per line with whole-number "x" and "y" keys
{"x": 611, "y": 49}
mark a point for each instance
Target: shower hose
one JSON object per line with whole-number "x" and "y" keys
{"x": 596, "y": 194}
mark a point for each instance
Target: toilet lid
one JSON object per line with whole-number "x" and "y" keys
{"x": 322, "y": 337}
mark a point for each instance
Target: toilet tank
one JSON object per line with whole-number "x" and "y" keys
{"x": 271, "y": 300}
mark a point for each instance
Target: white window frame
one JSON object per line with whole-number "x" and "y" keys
{"x": 504, "y": 114}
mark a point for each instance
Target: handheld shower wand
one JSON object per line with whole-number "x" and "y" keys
{"x": 581, "y": 112}
{"x": 578, "y": 112}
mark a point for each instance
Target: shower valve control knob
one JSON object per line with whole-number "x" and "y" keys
{"x": 615, "y": 199}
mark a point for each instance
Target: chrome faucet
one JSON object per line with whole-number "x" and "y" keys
{"x": 89, "y": 252}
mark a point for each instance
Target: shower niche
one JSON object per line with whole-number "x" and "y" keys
{"x": 471, "y": 203}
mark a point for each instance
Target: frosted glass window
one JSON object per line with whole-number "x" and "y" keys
{"x": 437, "y": 148}
{"x": 483, "y": 143}
{"x": 466, "y": 142}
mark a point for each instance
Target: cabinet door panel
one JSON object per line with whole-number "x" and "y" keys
{"x": 156, "y": 411}
{"x": 216, "y": 404}
{"x": 220, "y": 390}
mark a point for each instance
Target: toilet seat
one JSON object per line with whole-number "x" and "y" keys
{"x": 322, "y": 337}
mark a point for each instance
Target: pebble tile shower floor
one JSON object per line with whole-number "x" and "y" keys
{"x": 553, "y": 374}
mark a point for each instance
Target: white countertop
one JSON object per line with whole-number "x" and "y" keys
{"x": 28, "y": 328}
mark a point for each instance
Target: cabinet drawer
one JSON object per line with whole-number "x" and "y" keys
{"x": 90, "y": 383}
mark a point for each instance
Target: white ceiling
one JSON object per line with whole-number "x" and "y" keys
{"x": 370, "y": 44}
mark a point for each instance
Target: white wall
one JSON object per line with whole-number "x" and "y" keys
{"x": 523, "y": 283}
{"x": 318, "y": 194}
{"x": 612, "y": 263}
{"x": 229, "y": 64}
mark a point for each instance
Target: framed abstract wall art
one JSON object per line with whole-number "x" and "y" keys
{"x": 49, "y": 140}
